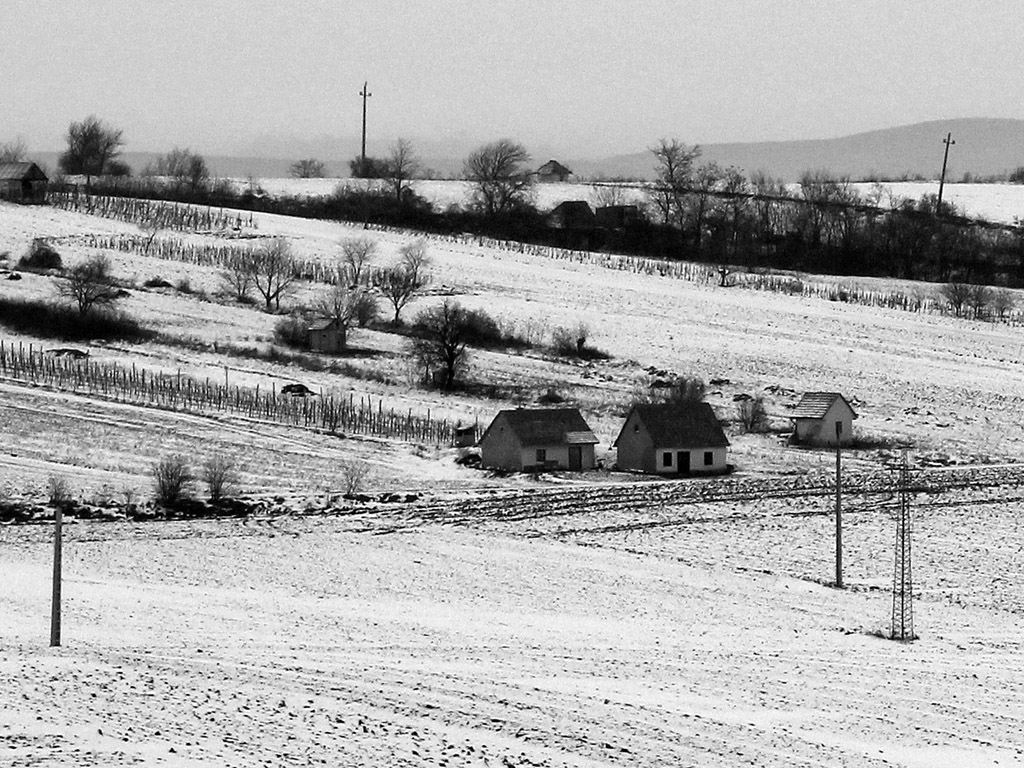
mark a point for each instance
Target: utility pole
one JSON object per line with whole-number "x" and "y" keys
{"x": 362, "y": 157}
{"x": 58, "y": 535}
{"x": 839, "y": 508}
{"x": 948, "y": 141}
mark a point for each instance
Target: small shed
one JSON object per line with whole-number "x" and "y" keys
{"x": 572, "y": 214}
{"x": 823, "y": 419}
{"x": 553, "y": 170}
{"x": 617, "y": 216}
{"x": 327, "y": 336}
{"x": 22, "y": 183}
{"x": 531, "y": 439}
{"x": 672, "y": 438}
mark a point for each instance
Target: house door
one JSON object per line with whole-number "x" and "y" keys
{"x": 575, "y": 457}
{"x": 683, "y": 462}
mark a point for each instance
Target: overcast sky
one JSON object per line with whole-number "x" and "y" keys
{"x": 588, "y": 78}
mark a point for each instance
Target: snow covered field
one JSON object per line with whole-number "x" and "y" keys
{"x": 993, "y": 202}
{"x": 396, "y": 636}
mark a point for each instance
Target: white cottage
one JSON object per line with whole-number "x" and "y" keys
{"x": 823, "y": 419}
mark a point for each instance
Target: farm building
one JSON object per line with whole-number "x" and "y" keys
{"x": 616, "y": 216}
{"x": 823, "y": 418}
{"x": 672, "y": 438}
{"x": 572, "y": 214}
{"x": 22, "y": 183}
{"x": 327, "y": 336}
{"x": 538, "y": 438}
{"x": 553, "y": 170}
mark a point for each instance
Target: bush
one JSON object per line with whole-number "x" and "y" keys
{"x": 41, "y": 256}
{"x": 219, "y": 476}
{"x": 482, "y": 330}
{"x": 752, "y": 415}
{"x": 292, "y": 331}
{"x": 366, "y": 309}
{"x": 59, "y": 491}
{"x": 353, "y": 475}
{"x": 57, "y": 321}
{"x": 173, "y": 479}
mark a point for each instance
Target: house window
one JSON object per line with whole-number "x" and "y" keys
{"x": 709, "y": 458}
{"x": 839, "y": 428}
{"x": 666, "y": 459}
{"x": 542, "y": 455}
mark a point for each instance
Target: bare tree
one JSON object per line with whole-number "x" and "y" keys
{"x": 957, "y": 296}
{"x": 399, "y": 285}
{"x": 500, "y": 182}
{"x": 414, "y": 256}
{"x": 309, "y": 168}
{"x": 752, "y": 415}
{"x": 674, "y": 168}
{"x": 220, "y": 476}
{"x": 1003, "y": 302}
{"x": 604, "y": 194}
{"x": 356, "y": 255}
{"x": 978, "y": 298}
{"x": 13, "y": 151}
{"x": 93, "y": 147}
{"x": 272, "y": 270}
{"x": 237, "y": 277}
{"x": 341, "y": 305}
{"x": 183, "y": 167}
{"x": 89, "y": 285}
{"x": 403, "y": 166}
{"x": 440, "y": 343}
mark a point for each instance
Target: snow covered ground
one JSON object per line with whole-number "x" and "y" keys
{"x": 993, "y": 202}
{"x": 389, "y": 636}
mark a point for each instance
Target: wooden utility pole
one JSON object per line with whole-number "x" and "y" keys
{"x": 58, "y": 535}
{"x": 948, "y": 141}
{"x": 362, "y": 156}
{"x": 839, "y": 508}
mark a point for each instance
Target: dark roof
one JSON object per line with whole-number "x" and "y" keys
{"x": 814, "y": 405}
{"x": 555, "y": 168}
{"x": 547, "y": 426}
{"x": 21, "y": 172}
{"x": 325, "y": 325}
{"x": 680, "y": 425}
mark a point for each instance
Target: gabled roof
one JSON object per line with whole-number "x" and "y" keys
{"x": 679, "y": 425}
{"x": 555, "y": 168}
{"x": 324, "y": 325}
{"x": 546, "y": 426}
{"x": 21, "y": 172}
{"x": 814, "y": 405}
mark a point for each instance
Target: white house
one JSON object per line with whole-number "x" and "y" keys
{"x": 824, "y": 419}
{"x": 672, "y": 438}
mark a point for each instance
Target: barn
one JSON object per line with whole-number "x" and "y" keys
{"x": 672, "y": 438}
{"x": 572, "y": 214}
{"x": 532, "y": 439}
{"x": 553, "y": 170}
{"x": 823, "y": 419}
{"x": 22, "y": 183}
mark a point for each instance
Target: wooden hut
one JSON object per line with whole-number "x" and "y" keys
{"x": 22, "y": 183}
{"x": 327, "y": 336}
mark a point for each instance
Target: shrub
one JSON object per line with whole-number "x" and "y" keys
{"x": 751, "y": 415}
{"x": 482, "y": 330}
{"x": 173, "y": 479}
{"x": 353, "y": 475}
{"x": 59, "y": 491}
{"x": 366, "y": 309}
{"x": 57, "y": 321}
{"x": 41, "y": 256}
{"x": 570, "y": 342}
{"x": 292, "y": 331}
{"x": 220, "y": 476}
{"x": 184, "y": 285}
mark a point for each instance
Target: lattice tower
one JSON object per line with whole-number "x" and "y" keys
{"x": 903, "y": 585}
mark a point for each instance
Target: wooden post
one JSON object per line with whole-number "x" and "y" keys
{"x": 58, "y": 535}
{"x": 839, "y": 508}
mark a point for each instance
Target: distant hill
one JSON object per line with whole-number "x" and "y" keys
{"x": 984, "y": 147}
